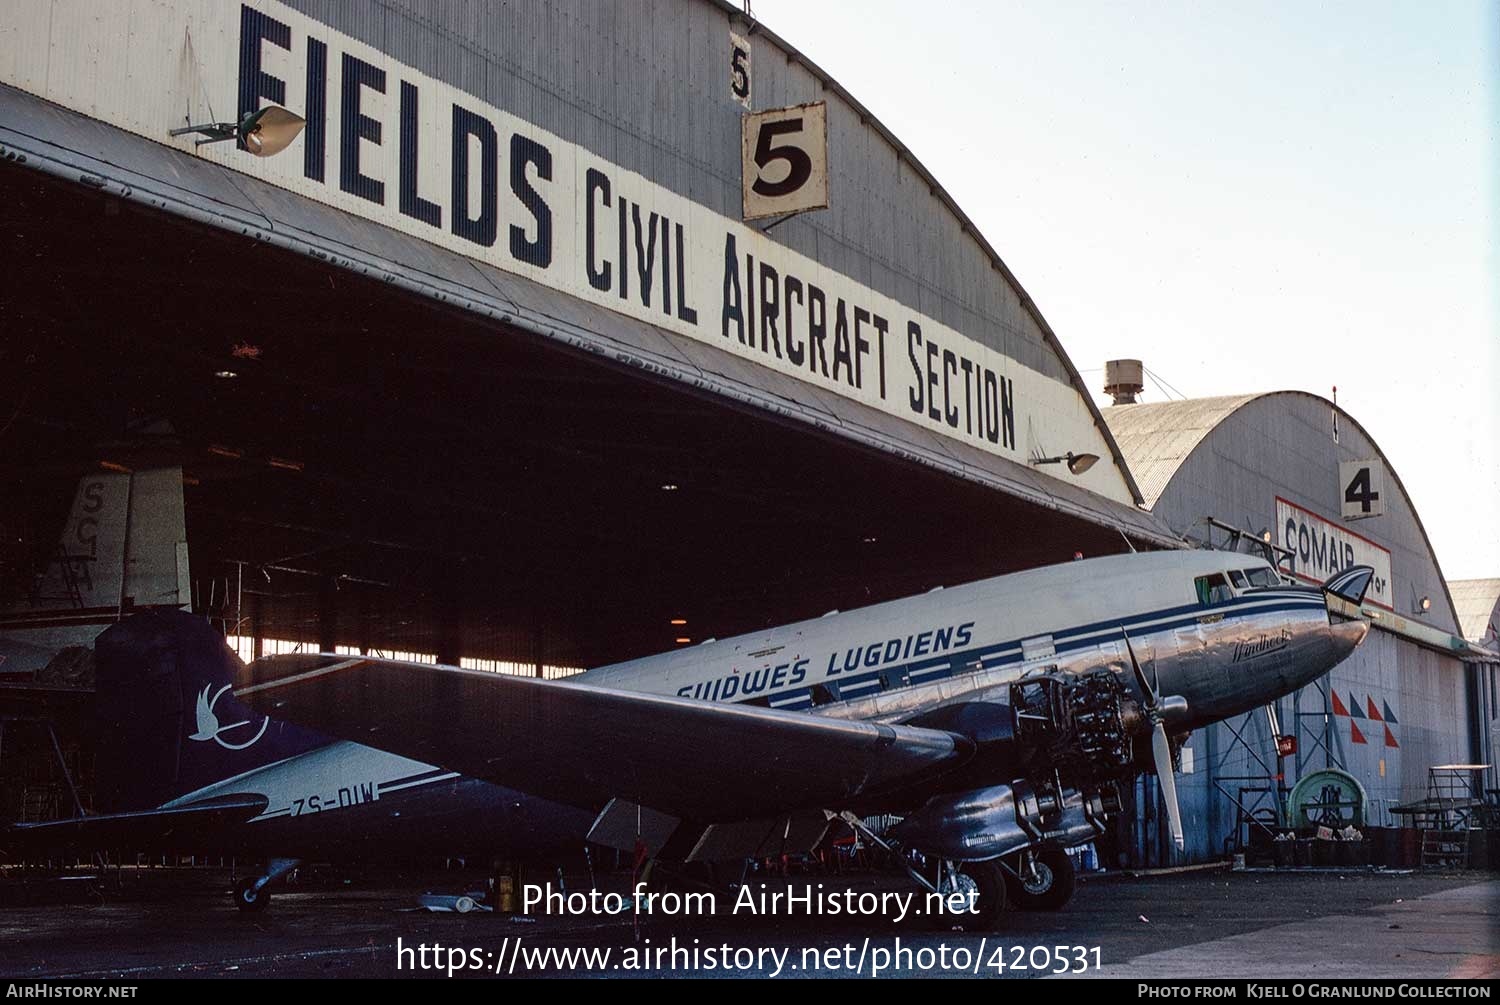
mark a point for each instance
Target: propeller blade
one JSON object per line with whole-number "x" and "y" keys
{"x": 1161, "y": 750}
{"x": 1147, "y": 691}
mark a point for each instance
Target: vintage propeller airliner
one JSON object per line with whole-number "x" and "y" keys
{"x": 993, "y": 722}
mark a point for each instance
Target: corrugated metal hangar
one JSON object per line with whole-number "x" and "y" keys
{"x": 1293, "y": 476}
{"x": 506, "y": 357}
{"x": 519, "y": 442}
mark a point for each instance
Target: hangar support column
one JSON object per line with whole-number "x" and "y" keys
{"x": 328, "y": 615}
{"x": 450, "y": 642}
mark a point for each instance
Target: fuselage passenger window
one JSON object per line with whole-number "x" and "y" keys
{"x": 1237, "y": 578}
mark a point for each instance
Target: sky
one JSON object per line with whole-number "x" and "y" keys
{"x": 1248, "y": 197}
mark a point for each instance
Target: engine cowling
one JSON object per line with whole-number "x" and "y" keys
{"x": 1062, "y": 740}
{"x": 986, "y": 823}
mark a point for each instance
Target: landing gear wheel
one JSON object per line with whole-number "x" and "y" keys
{"x": 1046, "y": 884}
{"x": 249, "y": 899}
{"x": 986, "y": 882}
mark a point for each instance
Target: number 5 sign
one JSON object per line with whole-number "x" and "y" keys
{"x": 784, "y": 161}
{"x": 1362, "y": 489}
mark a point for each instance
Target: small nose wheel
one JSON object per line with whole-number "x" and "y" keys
{"x": 251, "y": 894}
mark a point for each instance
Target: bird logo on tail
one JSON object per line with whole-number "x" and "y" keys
{"x": 208, "y": 722}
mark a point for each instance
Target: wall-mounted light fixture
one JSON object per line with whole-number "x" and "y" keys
{"x": 1077, "y": 463}
{"x": 264, "y": 133}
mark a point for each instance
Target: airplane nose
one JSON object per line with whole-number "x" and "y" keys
{"x": 1347, "y": 635}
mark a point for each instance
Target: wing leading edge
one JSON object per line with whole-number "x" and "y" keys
{"x": 200, "y": 824}
{"x": 584, "y": 746}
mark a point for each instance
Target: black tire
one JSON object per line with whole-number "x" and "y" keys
{"x": 248, "y": 899}
{"x": 1055, "y": 888}
{"x": 990, "y": 904}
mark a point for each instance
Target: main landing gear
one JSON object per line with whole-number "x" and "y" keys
{"x": 253, "y": 893}
{"x": 1039, "y": 879}
{"x": 981, "y": 885}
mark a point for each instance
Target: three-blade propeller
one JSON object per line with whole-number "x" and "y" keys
{"x": 1161, "y": 747}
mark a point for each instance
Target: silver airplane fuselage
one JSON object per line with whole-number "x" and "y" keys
{"x": 1215, "y": 650}
{"x": 1223, "y": 654}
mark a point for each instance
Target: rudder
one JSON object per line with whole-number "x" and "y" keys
{"x": 167, "y": 719}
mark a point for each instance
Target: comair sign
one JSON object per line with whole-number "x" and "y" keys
{"x": 1321, "y": 548}
{"x": 391, "y": 144}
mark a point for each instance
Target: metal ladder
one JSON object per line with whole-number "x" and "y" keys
{"x": 1449, "y": 816}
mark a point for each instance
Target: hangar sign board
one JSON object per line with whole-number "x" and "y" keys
{"x": 739, "y": 68}
{"x": 1361, "y": 489}
{"x": 388, "y": 143}
{"x": 1322, "y": 547}
{"x": 784, "y": 160}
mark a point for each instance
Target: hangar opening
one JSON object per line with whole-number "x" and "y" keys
{"x": 399, "y": 431}
{"x": 390, "y": 442}
{"x": 366, "y": 468}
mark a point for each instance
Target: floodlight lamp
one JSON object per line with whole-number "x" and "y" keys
{"x": 270, "y": 130}
{"x": 264, "y": 132}
{"x": 1077, "y": 463}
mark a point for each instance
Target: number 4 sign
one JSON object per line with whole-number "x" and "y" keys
{"x": 785, "y": 160}
{"x": 1362, "y": 489}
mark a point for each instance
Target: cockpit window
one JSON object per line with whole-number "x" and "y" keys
{"x": 1261, "y": 577}
{"x": 1237, "y": 578}
{"x": 1213, "y": 589}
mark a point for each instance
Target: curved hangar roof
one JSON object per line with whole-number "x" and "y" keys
{"x": 1272, "y": 462}
{"x": 614, "y": 136}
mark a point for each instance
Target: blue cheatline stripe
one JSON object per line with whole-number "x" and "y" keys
{"x": 417, "y": 781}
{"x": 996, "y": 655}
{"x": 943, "y": 669}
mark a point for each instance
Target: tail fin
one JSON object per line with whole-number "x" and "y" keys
{"x": 124, "y": 545}
{"x": 1351, "y": 584}
{"x": 167, "y": 719}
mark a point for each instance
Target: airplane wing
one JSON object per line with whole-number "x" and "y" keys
{"x": 583, "y": 745}
{"x": 178, "y": 826}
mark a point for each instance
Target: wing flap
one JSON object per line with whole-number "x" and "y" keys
{"x": 585, "y": 745}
